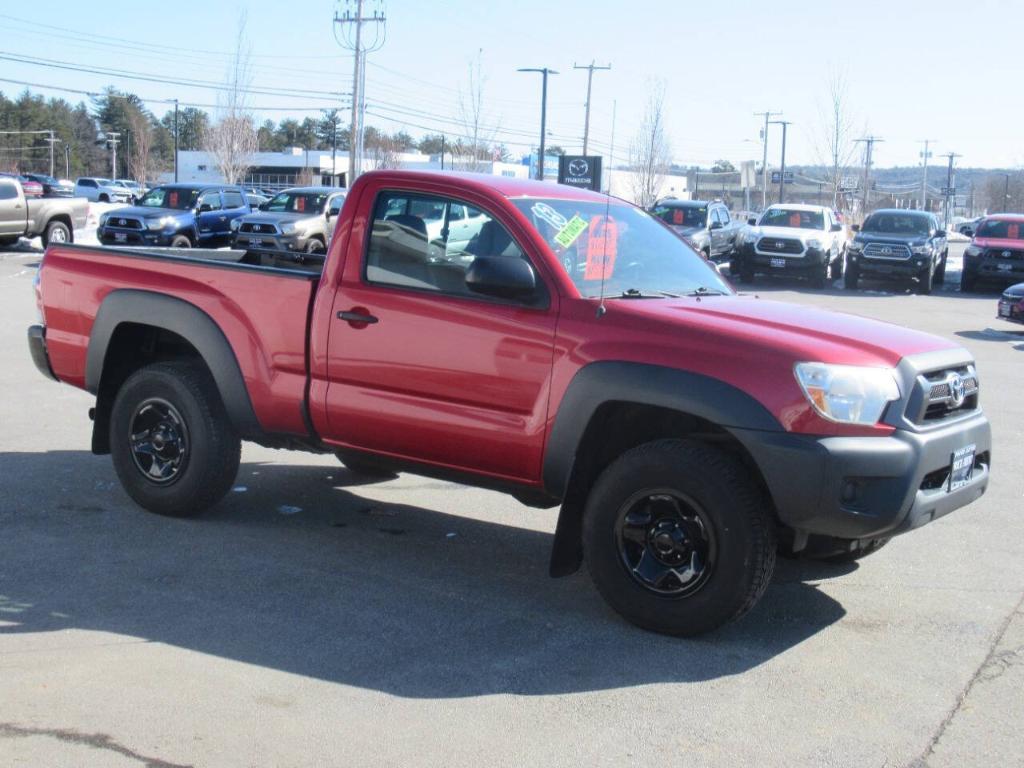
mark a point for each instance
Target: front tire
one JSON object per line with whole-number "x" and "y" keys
{"x": 677, "y": 537}
{"x": 968, "y": 280}
{"x": 940, "y": 273}
{"x": 836, "y": 269}
{"x": 174, "y": 449}
{"x": 926, "y": 281}
{"x": 314, "y": 246}
{"x": 181, "y": 241}
{"x": 852, "y": 278}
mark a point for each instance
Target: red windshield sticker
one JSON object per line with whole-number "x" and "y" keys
{"x": 794, "y": 219}
{"x": 300, "y": 204}
{"x": 678, "y": 217}
{"x": 602, "y": 246}
{"x": 173, "y": 200}
{"x": 1013, "y": 231}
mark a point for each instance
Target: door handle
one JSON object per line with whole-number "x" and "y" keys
{"x": 357, "y": 317}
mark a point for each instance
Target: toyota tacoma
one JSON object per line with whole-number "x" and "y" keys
{"x": 996, "y": 252}
{"x": 297, "y": 219}
{"x": 574, "y": 353}
{"x": 798, "y": 240}
{"x": 900, "y": 244}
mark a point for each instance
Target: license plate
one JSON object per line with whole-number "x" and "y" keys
{"x": 961, "y": 466}
{"x": 1004, "y": 310}
{"x": 777, "y": 263}
{"x": 120, "y": 237}
{"x": 1005, "y": 267}
{"x": 256, "y": 243}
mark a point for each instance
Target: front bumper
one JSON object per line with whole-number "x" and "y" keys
{"x": 1011, "y": 309}
{"x": 869, "y": 487}
{"x": 889, "y": 267}
{"x": 37, "y": 349}
{"x": 810, "y": 261}
{"x": 245, "y": 241}
{"x": 117, "y": 236}
{"x": 1009, "y": 270}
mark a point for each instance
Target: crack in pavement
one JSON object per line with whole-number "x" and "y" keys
{"x": 992, "y": 659}
{"x": 94, "y": 740}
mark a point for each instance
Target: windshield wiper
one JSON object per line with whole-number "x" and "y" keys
{"x": 634, "y": 293}
{"x": 703, "y": 290}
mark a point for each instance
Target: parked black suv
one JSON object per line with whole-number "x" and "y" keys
{"x": 176, "y": 215}
{"x": 898, "y": 243}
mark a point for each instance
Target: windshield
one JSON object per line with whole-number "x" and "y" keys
{"x": 297, "y": 202}
{"x": 1004, "y": 230}
{"x": 682, "y": 215}
{"x": 896, "y": 224}
{"x": 638, "y": 255}
{"x": 170, "y": 197}
{"x": 44, "y": 179}
{"x": 787, "y": 217}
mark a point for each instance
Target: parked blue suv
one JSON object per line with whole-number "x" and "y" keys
{"x": 176, "y": 215}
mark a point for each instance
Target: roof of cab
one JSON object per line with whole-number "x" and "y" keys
{"x": 504, "y": 185}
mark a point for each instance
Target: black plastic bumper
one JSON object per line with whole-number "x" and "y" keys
{"x": 865, "y": 487}
{"x": 869, "y": 266}
{"x": 37, "y": 348}
{"x": 1010, "y": 270}
{"x": 811, "y": 262}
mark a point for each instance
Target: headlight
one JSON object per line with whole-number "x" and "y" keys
{"x": 923, "y": 250}
{"x": 288, "y": 228}
{"x": 103, "y": 219}
{"x": 813, "y": 242}
{"x": 855, "y": 247}
{"x": 163, "y": 221}
{"x": 235, "y": 224}
{"x": 972, "y": 250}
{"x": 846, "y": 393}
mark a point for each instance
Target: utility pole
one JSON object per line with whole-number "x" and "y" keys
{"x": 545, "y": 71}
{"x": 175, "y": 141}
{"x": 924, "y": 178}
{"x": 353, "y": 18}
{"x": 442, "y": 151}
{"x": 869, "y": 143}
{"x": 52, "y": 141}
{"x": 1006, "y": 192}
{"x": 113, "y": 141}
{"x": 590, "y": 77}
{"x": 764, "y": 160}
{"x": 67, "y": 160}
{"x": 782, "y": 171}
{"x": 949, "y": 187}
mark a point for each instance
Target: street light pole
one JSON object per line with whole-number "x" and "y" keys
{"x": 782, "y": 170}
{"x": 175, "y": 141}
{"x": 545, "y": 71}
{"x": 764, "y": 161}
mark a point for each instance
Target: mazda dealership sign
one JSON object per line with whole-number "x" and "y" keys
{"x": 582, "y": 171}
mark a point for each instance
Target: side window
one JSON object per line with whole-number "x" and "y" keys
{"x": 724, "y": 215}
{"x": 715, "y": 218}
{"x": 210, "y": 198}
{"x": 334, "y": 207}
{"x": 233, "y": 199}
{"x": 409, "y": 244}
{"x": 88, "y": 183}
{"x": 7, "y": 190}
{"x": 456, "y": 212}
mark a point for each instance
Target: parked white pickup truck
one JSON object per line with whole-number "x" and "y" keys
{"x": 53, "y": 218}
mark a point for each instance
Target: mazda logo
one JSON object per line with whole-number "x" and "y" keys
{"x": 578, "y": 167}
{"x": 957, "y": 391}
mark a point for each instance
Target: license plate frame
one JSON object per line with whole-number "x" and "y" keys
{"x": 1004, "y": 310}
{"x": 120, "y": 237}
{"x": 777, "y": 263}
{"x": 1004, "y": 267}
{"x": 961, "y": 467}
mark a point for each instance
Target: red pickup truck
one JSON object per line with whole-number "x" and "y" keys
{"x": 572, "y": 351}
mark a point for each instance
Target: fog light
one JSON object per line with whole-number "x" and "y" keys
{"x": 850, "y": 491}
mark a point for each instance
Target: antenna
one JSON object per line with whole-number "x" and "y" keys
{"x": 601, "y": 309}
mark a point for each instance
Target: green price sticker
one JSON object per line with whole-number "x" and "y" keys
{"x": 573, "y": 228}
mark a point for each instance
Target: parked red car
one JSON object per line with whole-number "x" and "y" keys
{"x": 570, "y": 351}
{"x": 996, "y": 252}
{"x": 30, "y": 187}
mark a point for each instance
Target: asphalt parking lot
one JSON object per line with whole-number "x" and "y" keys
{"x": 313, "y": 620}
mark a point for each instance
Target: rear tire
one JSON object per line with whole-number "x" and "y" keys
{"x": 677, "y": 537}
{"x": 174, "y": 449}
{"x": 181, "y": 241}
{"x": 104, "y": 199}
{"x": 56, "y": 232}
{"x": 7, "y": 242}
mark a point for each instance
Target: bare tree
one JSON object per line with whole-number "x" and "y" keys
{"x": 474, "y": 149}
{"x": 232, "y": 140}
{"x": 835, "y": 145}
{"x": 650, "y": 152}
{"x": 385, "y": 154}
{"x": 139, "y": 164}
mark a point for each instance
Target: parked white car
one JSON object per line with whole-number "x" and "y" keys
{"x": 98, "y": 190}
{"x": 799, "y": 240}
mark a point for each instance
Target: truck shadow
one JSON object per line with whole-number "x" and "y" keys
{"x": 300, "y": 573}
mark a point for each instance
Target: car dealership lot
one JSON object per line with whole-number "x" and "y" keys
{"x": 312, "y": 620}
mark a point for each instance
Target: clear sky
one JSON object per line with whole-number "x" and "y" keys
{"x": 942, "y": 70}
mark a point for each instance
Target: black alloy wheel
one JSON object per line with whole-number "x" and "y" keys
{"x": 159, "y": 441}
{"x": 666, "y": 542}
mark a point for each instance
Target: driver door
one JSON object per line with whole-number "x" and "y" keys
{"x": 211, "y": 221}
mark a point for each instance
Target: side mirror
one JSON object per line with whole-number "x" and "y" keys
{"x": 837, "y": 227}
{"x": 855, "y": 227}
{"x": 205, "y": 208}
{"x": 501, "y": 276}
{"x": 716, "y": 225}
{"x": 752, "y": 221}
{"x": 261, "y": 207}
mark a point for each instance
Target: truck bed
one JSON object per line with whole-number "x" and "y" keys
{"x": 262, "y": 310}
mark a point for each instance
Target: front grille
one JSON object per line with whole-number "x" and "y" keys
{"x": 258, "y": 229}
{"x": 779, "y": 245}
{"x": 124, "y": 223}
{"x": 1004, "y": 253}
{"x": 947, "y": 393}
{"x": 887, "y": 251}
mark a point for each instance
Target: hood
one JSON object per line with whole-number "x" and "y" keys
{"x": 138, "y": 212}
{"x": 758, "y": 328}
{"x": 265, "y": 217}
{"x": 998, "y": 242}
{"x": 688, "y": 231}
{"x": 1017, "y": 291}
{"x": 791, "y": 233}
{"x": 889, "y": 237}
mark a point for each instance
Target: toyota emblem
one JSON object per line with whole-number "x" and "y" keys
{"x": 779, "y": 244}
{"x": 122, "y": 222}
{"x": 887, "y": 250}
{"x": 1006, "y": 254}
{"x": 957, "y": 391}
{"x": 578, "y": 167}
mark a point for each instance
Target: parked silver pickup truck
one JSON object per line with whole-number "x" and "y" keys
{"x": 297, "y": 219}
{"x": 55, "y": 219}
